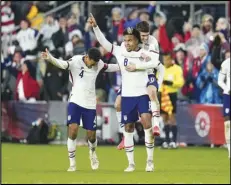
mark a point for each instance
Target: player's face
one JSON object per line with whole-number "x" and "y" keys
{"x": 89, "y": 62}
{"x": 144, "y": 37}
{"x": 130, "y": 42}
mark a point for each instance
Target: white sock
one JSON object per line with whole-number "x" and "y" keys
{"x": 227, "y": 135}
{"x": 129, "y": 146}
{"x": 71, "y": 147}
{"x": 92, "y": 146}
{"x": 118, "y": 115}
{"x": 149, "y": 143}
{"x": 155, "y": 114}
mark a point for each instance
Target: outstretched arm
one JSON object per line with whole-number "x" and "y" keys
{"x": 57, "y": 62}
{"x": 100, "y": 36}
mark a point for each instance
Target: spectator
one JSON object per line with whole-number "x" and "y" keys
{"x": 27, "y": 88}
{"x": 207, "y": 83}
{"x": 7, "y": 18}
{"x": 35, "y": 17}
{"x": 117, "y": 25}
{"x": 197, "y": 38}
{"x": 47, "y": 30}
{"x": 27, "y": 39}
{"x": 218, "y": 47}
{"x": 76, "y": 45}
{"x": 12, "y": 68}
{"x": 61, "y": 37}
{"x": 207, "y": 26}
{"x": 222, "y": 26}
{"x": 57, "y": 90}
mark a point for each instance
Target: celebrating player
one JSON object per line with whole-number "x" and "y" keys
{"x": 82, "y": 102}
{"x": 149, "y": 43}
{"x": 224, "y": 75}
{"x": 134, "y": 92}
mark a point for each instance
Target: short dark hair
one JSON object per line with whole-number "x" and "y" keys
{"x": 143, "y": 26}
{"x": 94, "y": 54}
{"x": 132, "y": 31}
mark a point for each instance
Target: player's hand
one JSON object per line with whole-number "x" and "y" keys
{"x": 45, "y": 55}
{"x": 145, "y": 57}
{"x": 131, "y": 67}
{"x": 91, "y": 20}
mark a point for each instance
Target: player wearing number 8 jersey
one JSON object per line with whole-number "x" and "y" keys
{"x": 134, "y": 93}
{"x": 149, "y": 43}
{"x": 82, "y": 102}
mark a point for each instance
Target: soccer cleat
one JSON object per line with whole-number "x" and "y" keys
{"x": 121, "y": 145}
{"x": 165, "y": 145}
{"x": 71, "y": 169}
{"x": 172, "y": 145}
{"x": 130, "y": 168}
{"x": 94, "y": 160}
{"x": 149, "y": 166}
{"x": 156, "y": 131}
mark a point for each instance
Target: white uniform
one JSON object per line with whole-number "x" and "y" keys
{"x": 152, "y": 46}
{"x": 225, "y": 74}
{"x": 133, "y": 83}
{"x": 83, "y": 79}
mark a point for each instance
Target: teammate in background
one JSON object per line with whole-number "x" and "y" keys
{"x": 82, "y": 102}
{"x": 149, "y": 43}
{"x": 134, "y": 92}
{"x": 224, "y": 76}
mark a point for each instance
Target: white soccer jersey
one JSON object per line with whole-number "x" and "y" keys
{"x": 152, "y": 46}
{"x": 224, "y": 75}
{"x": 133, "y": 83}
{"x": 83, "y": 79}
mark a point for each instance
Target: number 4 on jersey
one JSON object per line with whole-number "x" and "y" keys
{"x": 81, "y": 73}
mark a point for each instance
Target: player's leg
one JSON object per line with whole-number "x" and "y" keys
{"x": 226, "y": 113}
{"x": 118, "y": 115}
{"x": 172, "y": 120}
{"x": 73, "y": 121}
{"x": 155, "y": 107}
{"x": 90, "y": 124}
{"x": 146, "y": 116}
{"x": 129, "y": 117}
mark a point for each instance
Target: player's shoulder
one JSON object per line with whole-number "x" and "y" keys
{"x": 226, "y": 62}
{"x": 152, "y": 40}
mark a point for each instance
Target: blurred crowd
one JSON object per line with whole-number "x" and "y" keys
{"x": 198, "y": 48}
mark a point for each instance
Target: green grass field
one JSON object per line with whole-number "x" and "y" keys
{"x": 48, "y": 164}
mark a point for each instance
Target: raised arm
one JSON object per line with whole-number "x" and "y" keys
{"x": 57, "y": 62}
{"x": 99, "y": 35}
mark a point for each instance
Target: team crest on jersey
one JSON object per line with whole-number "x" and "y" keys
{"x": 125, "y": 117}
{"x": 146, "y": 46}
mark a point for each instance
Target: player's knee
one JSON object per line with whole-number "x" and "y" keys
{"x": 152, "y": 94}
{"x": 92, "y": 138}
{"x": 72, "y": 131}
{"x": 117, "y": 107}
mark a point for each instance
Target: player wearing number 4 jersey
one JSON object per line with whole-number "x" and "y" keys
{"x": 82, "y": 102}
{"x": 133, "y": 63}
{"x": 149, "y": 43}
{"x": 224, "y": 75}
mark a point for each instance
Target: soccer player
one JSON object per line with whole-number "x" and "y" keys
{"x": 224, "y": 75}
{"x": 82, "y": 101}
{"x": 134, "y": 92}
{"x": 149, "y": 43}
